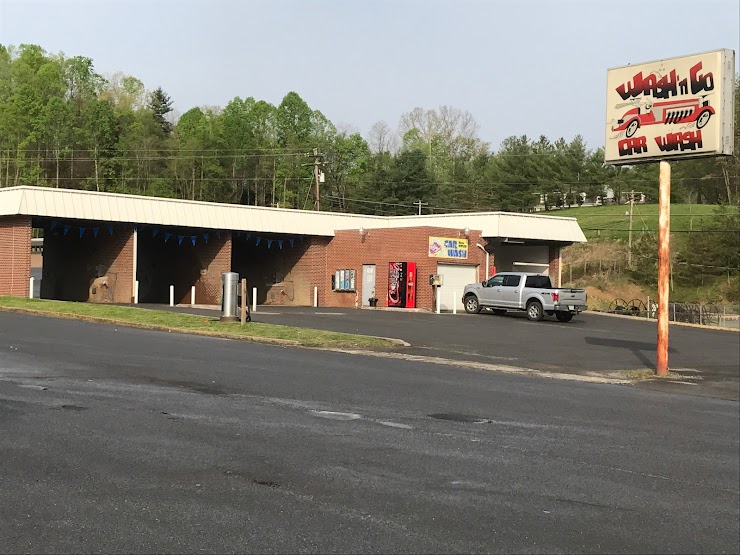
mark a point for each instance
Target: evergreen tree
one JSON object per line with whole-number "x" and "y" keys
{"x": 161, "y": 104}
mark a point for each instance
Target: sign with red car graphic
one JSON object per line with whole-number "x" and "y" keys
{"x": 673, "y": 108}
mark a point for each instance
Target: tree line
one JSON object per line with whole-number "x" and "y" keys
{"x": 64, "y": 125}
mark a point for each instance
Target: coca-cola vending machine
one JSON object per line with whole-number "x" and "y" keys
{"x": 402, "y": 284}
{"x": 410, "y": 285}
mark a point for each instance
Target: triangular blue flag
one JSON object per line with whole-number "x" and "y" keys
{"x": 258, "y": 240}
{"x": 66, "y": 229}
{"x": 95, "y": 231}
{"x": 179, "y": 239}
{"x": 269, "y": 243}
{"x": 292, "y": 241}
{"x": 218, "y": 234}
{"x": 280, "y": 243}
{"x": 205, "y": 237}
{"x": 192, "y": 239}
{"x": 167, "y": 237}
{"x": 82, "y": 231}
{"x": 110, "y": 229}
{"x": 53, "y": 225}
{"x": 155, "y": 232}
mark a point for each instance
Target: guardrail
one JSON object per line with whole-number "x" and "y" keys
{"x": 692, "y": 313}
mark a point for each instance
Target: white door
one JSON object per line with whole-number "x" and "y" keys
{"x": 368, "y": 283}
{"x": 455, "y": 278}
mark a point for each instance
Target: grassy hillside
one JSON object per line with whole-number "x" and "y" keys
{"x": 610, "y": 222}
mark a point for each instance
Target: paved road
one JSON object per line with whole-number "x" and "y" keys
{"x": 589, "y": 343}
{"x": 122, "y": 440}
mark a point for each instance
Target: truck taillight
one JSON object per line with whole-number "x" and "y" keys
{"x": 555, "y": 297}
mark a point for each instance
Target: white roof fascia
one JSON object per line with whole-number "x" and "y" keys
{"x": 90, "y": 205}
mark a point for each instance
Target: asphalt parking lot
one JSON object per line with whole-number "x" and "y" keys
{"x": 591, "y": 343}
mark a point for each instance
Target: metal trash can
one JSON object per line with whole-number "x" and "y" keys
{"x": 229, "y": 297}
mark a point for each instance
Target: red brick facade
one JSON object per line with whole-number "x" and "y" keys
{"x": 215, "y": 259}
{"x": 283, "y": 276}
{"x": 349, "y": 251}
{"x": 15, "y": 255}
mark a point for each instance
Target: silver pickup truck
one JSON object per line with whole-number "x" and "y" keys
{"x": 521, "y": 291}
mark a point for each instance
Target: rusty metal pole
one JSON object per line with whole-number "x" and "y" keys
{"x": 664, "y": 262}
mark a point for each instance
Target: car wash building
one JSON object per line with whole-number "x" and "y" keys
{"x": 105, "y": 247}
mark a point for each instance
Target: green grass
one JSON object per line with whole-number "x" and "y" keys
{"x": 611, "y": 222}
{"x": 173, "y": 321}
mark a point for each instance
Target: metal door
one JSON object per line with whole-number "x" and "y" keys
{"x": 368, "y": 284}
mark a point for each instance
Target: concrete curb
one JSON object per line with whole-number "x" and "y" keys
{"x": 153, "y": 327}
{"x": 490, "y": 367}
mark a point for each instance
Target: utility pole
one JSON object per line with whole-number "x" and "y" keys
{"x": 317, "y": 200}
{"x": 629, "y": 255}
{"x": 420, "y": 204}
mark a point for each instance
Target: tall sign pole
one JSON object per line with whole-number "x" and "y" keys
{"x": 664, "y": 266}
{"x": 662, "y": 110}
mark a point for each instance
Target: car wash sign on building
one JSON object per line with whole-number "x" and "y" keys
{"x": 448, "y": 247}
{"x": 673, "y": 108}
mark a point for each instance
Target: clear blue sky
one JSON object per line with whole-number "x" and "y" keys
{"x": 519, "y": 66}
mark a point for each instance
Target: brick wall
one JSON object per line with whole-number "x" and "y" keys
{"x": 349, "y": 251}
{"x": 214, "y": 258}
{"x": 554, "y": 263}
{"x": 71, "y": 263}
{"x": 15, "y": 255}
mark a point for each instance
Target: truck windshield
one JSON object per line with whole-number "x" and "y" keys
{"x": 540, "y": 282}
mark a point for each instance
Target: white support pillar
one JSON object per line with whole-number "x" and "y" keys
{"x": 438, "y": 299}
{"x": 172, "y": 295}
{"x": 192, "y": 296}
{"x": 315, "y": 297}
{"x": 134, "y": 265}
{"x": 454, "y": 302}
{"x": 254, "y": 299}
{"x": 30, "y": 288}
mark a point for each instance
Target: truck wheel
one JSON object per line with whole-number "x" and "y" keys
{"x": 534, "y": 311}
{"x": 563, "y": 316}
{"x": 499, "y": 311}
{"x": 471, "y": 305}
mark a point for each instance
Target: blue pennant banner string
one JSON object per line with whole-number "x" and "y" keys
{"x": 192, "y": 239}
{"x": 218, "y": 234}
{"x": 155, "y": 232}
{"x": 269, "y": 243}
{"x": 205, "y": 237}
{"x": 110, "y": 229}
{"x": 82, "y": 231}
{"x": 53, "y": 225}
{"x": 179, "y": 239}
{"x": 258, "y": 240}
{"x": 292, "y": 241}
{"x": 280, "y": 243}
{"x": 95, "y": 232}
{"x": 66, "y": 229}
{"x": 167, "y": 237}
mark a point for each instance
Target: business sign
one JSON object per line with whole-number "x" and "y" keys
{"x": 673, "y": 108}
{"x": 448, "y": 247}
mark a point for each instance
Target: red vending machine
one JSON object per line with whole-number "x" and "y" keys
{"x": 402, "y": 284}
{"x": 397, "y": 284}
{"x": 410, "y": 285}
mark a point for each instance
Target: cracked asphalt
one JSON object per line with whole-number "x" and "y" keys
{"x": 120, "y": 440}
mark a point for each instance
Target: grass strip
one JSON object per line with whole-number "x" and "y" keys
{"x": 189, "y": 323}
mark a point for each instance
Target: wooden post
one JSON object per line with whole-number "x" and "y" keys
{"x": 664, "y": 262}
{"x": 244, "y": 301}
